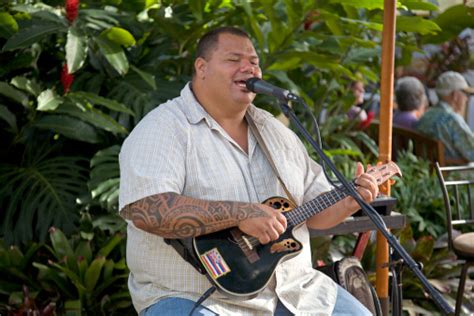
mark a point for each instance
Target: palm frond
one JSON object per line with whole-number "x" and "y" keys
{"x": 39, "y": 195}
{"x": 105, "y": 177}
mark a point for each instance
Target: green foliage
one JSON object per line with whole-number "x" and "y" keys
{"x": 452, "y": 22}
{"x": 127, "y": 57}
{"x": 439, "y": 266}
{"x": 105, "y": 178}
{"x": 419, "y": 196}
{"x": 44, "y": 188}
{"x": 93, "y": 281}
{"x": 82, "y": 275}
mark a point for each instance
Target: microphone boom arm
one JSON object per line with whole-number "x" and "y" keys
{"x": 371, "y": 213}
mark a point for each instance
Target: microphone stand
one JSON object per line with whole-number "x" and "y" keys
{"x": 370, "y": 212}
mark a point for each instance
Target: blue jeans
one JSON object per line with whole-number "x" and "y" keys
{"x": 346, "y": 304}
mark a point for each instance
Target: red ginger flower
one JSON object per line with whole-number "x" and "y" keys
{"x": 72, "y": 7}
{"x": 66, "y": 79}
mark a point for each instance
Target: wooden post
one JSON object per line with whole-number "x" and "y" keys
{"x": 385, "y": 138}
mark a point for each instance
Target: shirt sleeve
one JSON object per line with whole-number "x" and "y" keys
{"x": 152, "y": 158}
{"x": 462, "y": 137}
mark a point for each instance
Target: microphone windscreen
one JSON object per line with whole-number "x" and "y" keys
{"x": 250, "y": 83}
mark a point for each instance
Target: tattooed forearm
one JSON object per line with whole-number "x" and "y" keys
{"x": 175, "y": 216}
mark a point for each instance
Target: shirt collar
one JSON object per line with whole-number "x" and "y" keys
{"x": 195, "y": 113}
{"x": 445, "y": 106}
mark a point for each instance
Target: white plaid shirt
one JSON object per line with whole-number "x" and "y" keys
{"x": 179, "y": 147}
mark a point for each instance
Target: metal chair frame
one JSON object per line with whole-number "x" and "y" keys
{"x": 456, "y": 216}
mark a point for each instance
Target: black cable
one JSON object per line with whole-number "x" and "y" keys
{"x": 372, "y": 214}
{"x": 203, "y": 298}
{"x": 317, "y": 132}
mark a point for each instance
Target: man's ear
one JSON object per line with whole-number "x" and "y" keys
{"x": 200, "y": 65}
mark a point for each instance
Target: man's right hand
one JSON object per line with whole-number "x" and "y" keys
{"x": 266, "y": 224}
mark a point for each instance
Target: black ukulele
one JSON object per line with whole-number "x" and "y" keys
{"x": 241, "y": 267}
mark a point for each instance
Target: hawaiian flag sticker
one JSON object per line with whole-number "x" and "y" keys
{"x": 214, "y": 263}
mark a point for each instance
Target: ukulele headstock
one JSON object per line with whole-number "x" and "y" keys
{"x": 384, "y": 172}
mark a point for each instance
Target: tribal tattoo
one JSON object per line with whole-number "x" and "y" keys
{"x": 171, "y": 215}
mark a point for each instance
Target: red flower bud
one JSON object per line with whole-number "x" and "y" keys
{"x": 72, "y": 7}
{"x": 66, "y": 79}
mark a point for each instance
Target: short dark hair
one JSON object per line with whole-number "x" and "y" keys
{"x": 208, "y": 41}
{"x": 410, "y": 94}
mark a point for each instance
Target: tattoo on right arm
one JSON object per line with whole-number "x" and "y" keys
{"x": 171, "y": 215}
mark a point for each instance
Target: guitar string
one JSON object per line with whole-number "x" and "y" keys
{"x": 303, "y": 212}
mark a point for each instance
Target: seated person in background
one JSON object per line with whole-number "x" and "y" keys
{"x": 444, "y": 121}
{"x": 356, "y": 111}
{"x": 411, "y": 100}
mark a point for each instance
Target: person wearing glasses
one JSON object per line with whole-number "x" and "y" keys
{"x": 445, "y": 121}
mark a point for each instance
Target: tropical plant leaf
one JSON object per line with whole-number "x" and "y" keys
{"x": 48, "y": 100}
{"x": 147, "y": 77}
{"x": 25, "y": 84}
{"x": 416, "y": 24}
{"x": 369, "y": 25}
{"x": 105, "y": 177}
{"x": 108, "y": 103}
{"x": 69, "y": 127}
{"x": 39, "y": 195}
{"x": 8, "y": 117}
{"x": 61, "y": 246}
{"x": 93, "y": 273}
{"x": 362, "y": 4}
{"x": 14, "y": 94}
{"x": 8, "y": 25}
{"x": 452, "y": 21}
{"x": 92, "y": 116}
{"x": 114, "y": 55}
{"x": 99, "y": 19}
{"x": 28, "y": 36}
{"x": 76, "y": 49}
{"x": 419, "y": 5}
{"x": 119, "y": 36}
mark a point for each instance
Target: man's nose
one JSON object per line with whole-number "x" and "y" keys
{"x": 249, "y": 67}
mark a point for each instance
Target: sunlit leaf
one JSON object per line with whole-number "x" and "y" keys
{"x": 26, "y": 84}
{"x": 8, "y": 25}
{"x": 118, "y": 36}
{"x": 419, "y": 5}
{"x": 48, "y": 100}
{"x": 362, "y": 4}
{"x": 114, "y": 55}
{"x": 416, "y": 24}
{"x": 76, "y": 49}
{"x": 452, "y": 21}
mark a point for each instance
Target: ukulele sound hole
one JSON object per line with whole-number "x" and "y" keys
{"x": 276, "y": 205}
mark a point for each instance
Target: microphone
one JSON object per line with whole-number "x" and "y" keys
{"x": 258, "y": 85}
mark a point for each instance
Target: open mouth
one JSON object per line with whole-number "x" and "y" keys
{"x": 241, "y": 83}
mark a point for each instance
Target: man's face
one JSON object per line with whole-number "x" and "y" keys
{"x": 225, "y": 70}
{"x": 460, "y": 99}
